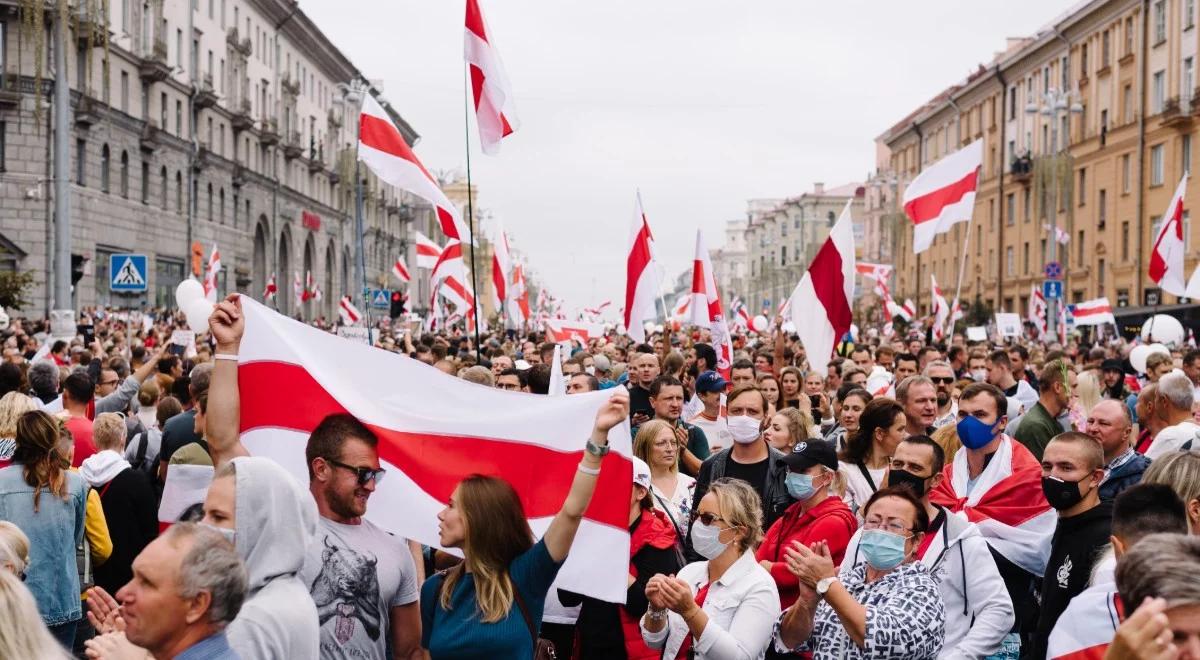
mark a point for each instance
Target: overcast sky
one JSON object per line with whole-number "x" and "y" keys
{"x": 702, "y": 104}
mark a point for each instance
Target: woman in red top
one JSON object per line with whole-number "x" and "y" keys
{"x": 816, "y": 515}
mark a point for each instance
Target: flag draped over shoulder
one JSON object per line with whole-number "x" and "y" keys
{"x": 428, "y": 442}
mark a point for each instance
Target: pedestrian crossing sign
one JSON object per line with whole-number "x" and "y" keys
{"x": 128, "y": 272}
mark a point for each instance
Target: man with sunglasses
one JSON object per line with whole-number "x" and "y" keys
{"x": 942, "y": 375}
{"x": 363, "y": 581}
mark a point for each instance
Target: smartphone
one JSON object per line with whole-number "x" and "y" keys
{"x": 88, "y": 331}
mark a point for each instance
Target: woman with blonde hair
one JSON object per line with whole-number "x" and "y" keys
{"x": 14, "y": 549}
{"x": 786, "y": 428}
{"x": 947, "y": 438}
{"x": 12, "y": 406}
{"x": 726, "y": 605}
{"x": 657, "y": 444}
{"x": 22, "y": 633}
{"x": 1181, "y": 471}
{"x": 490, "y": 604}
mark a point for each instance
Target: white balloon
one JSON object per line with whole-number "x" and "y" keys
{"x": 1137, "y": 356}
{"x": 187, "y": 291}
{"x": 1163, "y": 329}
{"x": 789, "y": 327}
{"x": 759, "y": 324}
{"x": 658, "y": 328}
{"x": 649, "y": 326}
{"x": 197, "y": 312}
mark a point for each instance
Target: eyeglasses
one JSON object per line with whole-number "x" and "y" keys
{"x": 893, "y": 527}
{"x": 942, "y": 380}
{"x": 108, "y": 382}
{"x": 364, "y": 474}
{"x": 707, "y": 518}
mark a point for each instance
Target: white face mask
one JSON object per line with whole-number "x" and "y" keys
{"x": 591, "y": 371}
{"x": 980, "y": 375}
{"x": 744, "y": 429}
{"x": 706, "y": 540}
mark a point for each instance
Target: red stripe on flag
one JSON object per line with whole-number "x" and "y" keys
{"x": 380, "y": 134}
{"x": 477, "y": 80}
{"x": 639, "y": 260}
{"x": 475, "y": 20}
{"x": 436, "y": 463}
{"x": 829, "y": 283}
{"x": 929, "y": 206}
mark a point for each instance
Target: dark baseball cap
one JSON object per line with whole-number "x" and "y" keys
{"x": 710, "y": 381}
{"x": 808, "y": 453}
{"x": 1112, "y": 365}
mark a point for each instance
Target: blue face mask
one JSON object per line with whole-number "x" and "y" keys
{"x": 799, "y": 485}
{"x": 882, "y": 549}
{"x": 974, "y": 433}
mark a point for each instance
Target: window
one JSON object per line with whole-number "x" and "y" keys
{"x": 211, "y": 15}
{"x": 1127, "y": 103}
{"x": 1185, "y": 149}
{"x": 1125, "y": 241}
{"x": 1010, "y": 208}
{"x": 210, "y": 202}
{"x": 81, "y": 162}
{"x": 1028, "y": 209}
{"x": 1189, "y": 81}
{"x": 145, "y": 182}
{"x": 1100, "y": 272}
{"x": 991, "y": 263}
{"x": 222, "y": 14}
{"x": 1189, "y": 13}
{"x": 179, "y": 48}
{"x": 1012, "y": 102}
{"x": 1082, "y": 193}
{"x": 1160, "y": 21}
{"x": 1079, "y": 242}
{"x": 1158, "y": 92}
{"x": 178, "y": 191}
{"x": 1025, "y": 258}
{"x": 1042, "y": 254}
{"x": 1102, "y": 208}
{"x": 783, "y": 255}
{"x": 1125, "y": 174}
{"x": 1105, "y": 49}
{"x": 104, "y": 168}
{"x": 125, "y": 91}
{"x": 165, "y": 182}
{"x": 1083, "y": 64}
{"x": 221, "y": 205}
{"x": 125, "y": 174}
{"x": 1008, "y": 261}
{"x": 162, "y": 111}
{"x": 179, "y": 118}
{"x": 1156, "y": 165}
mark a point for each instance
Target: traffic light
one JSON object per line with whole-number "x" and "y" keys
{"x": 76, "y": 268}
{"x": 397, "y": 304}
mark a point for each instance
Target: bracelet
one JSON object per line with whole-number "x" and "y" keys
{"x": 656, "y": 615}
{"x": 225, "y": 356}
{"x": 595, "y": 472}
{"x": 692, "y": 614}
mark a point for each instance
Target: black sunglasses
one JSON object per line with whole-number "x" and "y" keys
{"x": 943, "y": 380}
{"x": 364, "y": 474}
{"x": 707, "y": 518}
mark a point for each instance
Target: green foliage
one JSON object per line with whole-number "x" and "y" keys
{"x": 14, "y": 289}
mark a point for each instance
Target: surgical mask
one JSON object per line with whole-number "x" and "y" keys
{"x": 706, "y": 540}
{"x": 979, "y": 375}
{"x": 229, "y": 534}
{"x": 744, "y": 429}
{"x": 908, "y": 479}
{"x": 591, "y": 371}
{"x": 882, "y": 549}
{"x": 1061, "y": 494}
{"x": 975, "y": 434}
{"x": 799, "y": 485}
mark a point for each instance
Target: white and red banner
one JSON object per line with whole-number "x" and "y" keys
{"x": 737, "y": 310}
{"x": 210, "y": 274}
{"x": 1060, "y": 235}
{"x": 642, "y": 279}
{"x": 383, "y": 149}
{"x": 706, "y": 306}
{"x": 494, "y": 107}
{"x": 427, "y": 250}
{"x": 907, "y": 311}
{"x": 1037, "y": 311}
{"x": 1094, "y": 312}
{"x": 271, "y": 289}
{"x": 501, "y": 269}
{"x": 298, "y": 290}
{"x": 349, "y": 313}
{"x": 943, "y": 195}
{"x": 561, "y": 331}
{"x": 681, "y": 311}
{"x": 877, "y": 274}
{"x": 428, "y": 445}
{"x": 820, "y": 306}
{"x": 1166, "y": 257}
{"x": 1087, "y": 627}
{"x": 401, "y": 271}
{"x": 518, "y": 302}
{"x": 940, "y": 309}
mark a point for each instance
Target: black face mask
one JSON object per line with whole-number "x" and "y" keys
{"x": 1061, "y": 494}
{"x": 909, "y": 480}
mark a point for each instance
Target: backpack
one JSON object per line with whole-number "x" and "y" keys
{"x": 140, "y": 460}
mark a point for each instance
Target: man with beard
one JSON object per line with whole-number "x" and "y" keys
{"x": 942, "y": 375}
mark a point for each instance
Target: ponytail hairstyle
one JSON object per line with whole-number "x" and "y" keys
{"x": 879, "y": 413}
{"x": 39, "y": 439}
{"x": 496, "y": 533}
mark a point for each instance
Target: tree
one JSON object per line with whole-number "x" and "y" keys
{"x": 14, "y": 287}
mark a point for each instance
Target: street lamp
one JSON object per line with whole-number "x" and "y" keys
{"x": 1055, "y": 105}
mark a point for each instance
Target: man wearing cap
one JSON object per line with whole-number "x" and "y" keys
{"x": 709, "y": 388}
{"x": 1114, "y": 380}
{"x": 815, "y": 516}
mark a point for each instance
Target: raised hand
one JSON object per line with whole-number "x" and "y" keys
{"x": 613, "y": 412}
{"x": 227, "y": 324}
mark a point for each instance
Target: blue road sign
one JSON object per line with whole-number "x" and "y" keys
{"x": 1053, "y": 270}
{"x": 1052, "y": 289}
{"x": 380, "y": 298}
{"x": 127, "y": 272}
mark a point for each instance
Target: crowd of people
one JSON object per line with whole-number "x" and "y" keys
{"x": 911, "y": 499}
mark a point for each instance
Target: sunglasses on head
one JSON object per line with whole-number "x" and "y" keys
{"x": 364, "y": 474}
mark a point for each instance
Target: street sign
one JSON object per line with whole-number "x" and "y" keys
{"x": 128, "y": 272}
{"x": 1053, "y": 271}
{"x": 380, "y": 298}
{"x": 1052, "y": 289}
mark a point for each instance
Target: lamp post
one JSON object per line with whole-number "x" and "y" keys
{"x": 1056, "y": 104}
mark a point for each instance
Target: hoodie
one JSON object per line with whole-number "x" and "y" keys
{"x": 130, "y": 512}
{"x": 276, "y": 520}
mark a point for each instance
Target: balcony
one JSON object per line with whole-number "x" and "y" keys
{"x": 89, "y": 30}
{"x": 204, "y": 158}
{"x": 268, "y": 134}
{"x": 10, "y": 95}
{"x": 291, "y": 148}
{"x": 151, "y": 137}
{"x": 1195, "y": 104}
{"x": 290, "y": 87}
{"x": 1021, "y": 169}
{"x": 1173, "y": 114}
{"x": 239, "y": 175}
{"x": 86, "y": 113}
{"x": 240, "y": 117}
{"x": 153, "y": 66}
{"x": 316, "y": 160}
{"x": 335, "y": 120}
{"x": 206, "y": 96}
{"x": 241, "y": 46}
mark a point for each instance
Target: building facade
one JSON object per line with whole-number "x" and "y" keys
{"x": 193, "y": 124}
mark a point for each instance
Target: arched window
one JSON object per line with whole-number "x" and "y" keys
{"x": 104, "y": 167}
{"x": 221, "y": 208}
{"x": 166, "y": 180}
{"x": 178, "y": 192}
{"x": 210, "y": 202}
{"x": 125, "y": 174}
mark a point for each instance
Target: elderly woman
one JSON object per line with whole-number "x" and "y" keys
{"x": 721, "y": 608}
{"x": 885, "y": 608}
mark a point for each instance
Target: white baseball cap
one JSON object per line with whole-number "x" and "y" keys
{"x": 641, "y": 472}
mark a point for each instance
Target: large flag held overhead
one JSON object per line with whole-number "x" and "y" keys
{"x": 501, "y": 268}
{"x": 641, "y": 277}
{"x": 494, "y": 107}
{"x": 706, "y": 306}
{"x": 383, "y": 149}
{"x": 820, "y": 305}
{"x": 1166, "y": 258}
{"x": 427, "y": 250}
{"x": 426, "y": 443}
{"x": 940, "y": 309}
{"x": 1094, "y": 312}
{"x": 1037, "y": 310}
{"x": 943, "y": 195}
{"x": 560, "y": 331}
{"x": 401, "y": 271}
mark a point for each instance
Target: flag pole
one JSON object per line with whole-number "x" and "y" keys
{"x": 962, "y": 270}
{"x": 360, "y": 265}
{"x": 470, "y": 209}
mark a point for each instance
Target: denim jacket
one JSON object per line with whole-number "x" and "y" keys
{"x": 53, "y": 531}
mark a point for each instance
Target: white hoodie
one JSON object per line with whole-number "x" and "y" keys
{"x": 976, "y": 595}
{"x": 100, "y": 468}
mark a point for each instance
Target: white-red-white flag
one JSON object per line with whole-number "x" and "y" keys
{"x": 1087, "y": 627}
{"x": 1166, "y": 258}
{"x": 681, "y": 311}
{"x": 427, "y": 250}
{"x": 271, "y": 289}
{"x": 501, "y": 268}
{"x": 561, "y": 331}
{"x": 494, "y": 107}
{"x": 518, "y": 302}
{"x": 210, "y": 274}
{"x": 383, "y": 149}
{"x": 298, "y": 290}
{"x": 1094, "y": 312}
{"x": 1037, "y": 310}
{"x": 943, "y": 195}
{"x": 349, "y": 313}
{"x": 820, "y": 306}
{"x": 642, "y": 279}
{"x": 428, "y": 445}
{"x": 401, "y": 271}
{"x": 940, "y": 309}
{"x": 877, "y": 274}
{"x": 706, "y": 306}
{"x": 451, "y": 280}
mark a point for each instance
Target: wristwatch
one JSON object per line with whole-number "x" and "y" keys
{"x": 823, "y": 585}
{"x": 599, "y": 451}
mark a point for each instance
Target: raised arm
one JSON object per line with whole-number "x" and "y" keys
{"x": 780, "y": 347}
{"x": 227, "y": 325}
{"x": 561, "y": 532}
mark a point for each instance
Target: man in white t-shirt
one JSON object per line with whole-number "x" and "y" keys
{"x": 1174, "y": 406}
{"x": 709, "y": 388}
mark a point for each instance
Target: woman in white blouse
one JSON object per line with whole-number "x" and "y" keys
{"x": 864, "y": 460}
{"x": 657, "y": 444}
{"x": 722, "y": 608}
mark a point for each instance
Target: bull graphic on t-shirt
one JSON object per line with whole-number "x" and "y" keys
{"x": 347, "y": 588}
